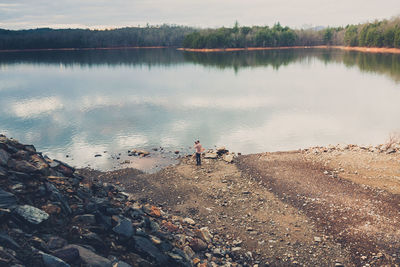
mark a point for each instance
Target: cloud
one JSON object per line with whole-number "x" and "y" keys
{"x": 35, "y": 107}
{"x": 207, "y": 13}
{"x": 133, "y": 141}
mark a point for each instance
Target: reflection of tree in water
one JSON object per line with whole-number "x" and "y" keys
{"x": 386, "y": 64}
{"x": 244, "y": 59}
{"x": 112, "y": 57}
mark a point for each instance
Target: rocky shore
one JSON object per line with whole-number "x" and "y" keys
{"x": 322, "y": 206}
{"x": 50, "y": 215}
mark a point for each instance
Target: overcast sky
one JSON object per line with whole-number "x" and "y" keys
{"x": 24, "y": 14}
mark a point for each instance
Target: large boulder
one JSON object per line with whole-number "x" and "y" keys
{"x": 7, "y": 200}
{"x": 89, "y": 258}
{"x": 222, "y": 150}
{"x": 22, "y": 166}
{"x": 211, "y": 155}
{"x": 39, "y": 162}
{"x": 4, "y": 157}
{"x": 67, "y": 254}
{"x": 124, "y": 228}
{"x": 198, "y": 245}
{"x": 145, "y": 247}
{"x": 228, "y": 158}
{"x": 51, "y": 261}
{"x": 8, "y": 242}
{"x": 31, "y": 214}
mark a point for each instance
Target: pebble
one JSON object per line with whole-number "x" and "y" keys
{"x": 189, "y": 221}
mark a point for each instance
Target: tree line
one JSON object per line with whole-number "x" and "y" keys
{"x": 384, "y": 33}
{"x": 44, "y": 38}
{"x": 238, "y": 37}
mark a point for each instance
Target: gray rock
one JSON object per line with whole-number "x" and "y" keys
{"x": 198, "y": 245}
{"x": 210, "y": 155}
{"x": 188, "y": 251}
{"x": 53, "y": 164}
{"x": 204, "y": 233}
{"x": 69, "y": 255}
{"x": 39, "y": 163}
{"x": 64, "y": 168}
{"x": 217, "y": 252}
{"x": 228, "y": 158}
{"x": 56, "y": 242}
{"x": 4, "y": 214}
{"x": 38, "y": 243}
{"x": 189, "y": 221}
{"x": 51, "y": 261}
{"x": 21, "y": 154}
{"x": 103, "y": 220}
{"x": 94, "y": 240}
{"x": 20, "y": 175}
{"x": 90, "y": 258}
{"x": 154, "y": 226}
{"x": 179, "y": 258}
{"x": 22, "y": 166}
{"x": 317, "y": 239}
{"x": 145, "y": 247}
{"x": 30, "y": 148}
{"x": 57, "y": 196}
{"x": 31, "y": 214}
{"x": 3, "y": 173}
{"x": 7, "y": 200}
{"x": 19, "y": 187}
{"x": 4, "y": 157}
{"x": 85, "y": 218}
{"x": 121, "y": 264}
{"x": 8, "y": 242}
{"x": 124, "y": 228}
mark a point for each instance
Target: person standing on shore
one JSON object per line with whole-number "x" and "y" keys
{"x": 199, "y": 149}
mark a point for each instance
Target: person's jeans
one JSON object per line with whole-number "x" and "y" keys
{"x": 198, "y": 159}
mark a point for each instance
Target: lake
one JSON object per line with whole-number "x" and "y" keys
{"x": 73, "y": 105}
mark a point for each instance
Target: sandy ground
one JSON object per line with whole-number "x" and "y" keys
{"x": 287, "y": 208}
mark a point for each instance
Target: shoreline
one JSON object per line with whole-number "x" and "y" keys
{"x": 346, "y": 48}
{"x": 282, "y": 205}
{"x": 382, "y": 50}
{"x": 84, "y": 49}
{"x": 333, "y": 205}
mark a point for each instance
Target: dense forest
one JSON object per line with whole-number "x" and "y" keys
{"x": 384, "y": 33}
{"x": 241, "y": 37}
{"x": 44, "y": 38}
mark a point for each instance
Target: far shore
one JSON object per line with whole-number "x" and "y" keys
{"x": 211, "y": 50}
{"x": 347, "y": 48}
{"x": 87, "y": 48}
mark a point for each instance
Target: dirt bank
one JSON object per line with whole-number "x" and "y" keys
{"x": 310, "y": 207}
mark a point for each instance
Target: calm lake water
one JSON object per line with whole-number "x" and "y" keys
{"x": 83, "y": 103}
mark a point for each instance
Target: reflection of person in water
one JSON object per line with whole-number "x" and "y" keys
{"x": 199, "y": 149}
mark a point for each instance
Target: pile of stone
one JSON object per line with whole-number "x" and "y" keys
{"x": 137, "y": 152}
{"x": 389, "y": 148}
{"x": 220, "y": 153}
{"x": 52, "y": 216}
